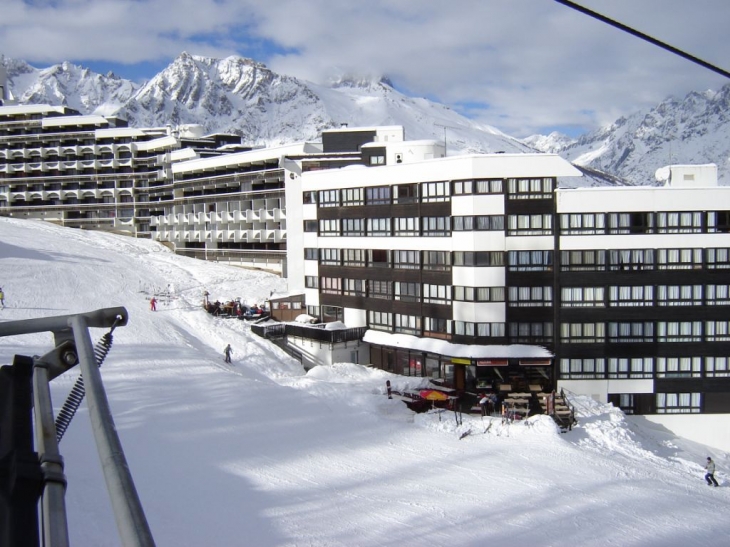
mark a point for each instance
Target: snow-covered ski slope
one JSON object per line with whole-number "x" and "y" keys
{"x": 260, "y": 453}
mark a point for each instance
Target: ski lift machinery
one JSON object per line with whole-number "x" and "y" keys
{"x": 32, "y": 480}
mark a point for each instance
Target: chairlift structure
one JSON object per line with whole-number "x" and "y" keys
{"x": 32, "y": 480}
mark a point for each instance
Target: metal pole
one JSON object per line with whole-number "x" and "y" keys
{"x": 53, "y": 510}
{"x": 130, "y": 517}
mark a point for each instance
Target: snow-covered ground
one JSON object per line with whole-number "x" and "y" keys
{"x": 260, "y": 453}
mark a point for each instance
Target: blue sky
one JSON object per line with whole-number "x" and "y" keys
{"x": 523, "y": 66}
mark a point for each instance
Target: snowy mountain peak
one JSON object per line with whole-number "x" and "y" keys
{"x": 694, "y": 129}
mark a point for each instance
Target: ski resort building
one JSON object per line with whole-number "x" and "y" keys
{"x": 481, "y": 272}
{"x": 237, "y": 207}
{"x": 89, "y": 171}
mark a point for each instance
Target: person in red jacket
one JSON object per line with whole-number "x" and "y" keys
{"x": 153, "y": 304}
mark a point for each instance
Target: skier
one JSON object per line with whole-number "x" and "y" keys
{"x": 710, "y": 475}
{"x": 2, "y": 298}
{"x": 153, "y": 304}
{"x": 228, "y": 350}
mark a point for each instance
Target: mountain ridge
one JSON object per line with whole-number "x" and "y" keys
{"x": 243, "y": 96}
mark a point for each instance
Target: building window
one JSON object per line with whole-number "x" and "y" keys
{"x": 377, "y": 160}
{"x": 530, "y": 332}
{"x": 583, "y": 333}
{"x": 679, "y": 331}
{"x": 479, "y": 258}
{"x": 354, "y": 287}
{"x": 330, "y": 285}
{"x": 354, "y": 258}
{"x": 406, "y": 226}
{"x": 587, "y": 368}
{"x": 718, "y": 221}
{"x": 436, "y": 328}
{"x": 311, "y": 282}
{"x": 530, "y": 296}
{"x": 482, "y": 330}
{"x": 378, "y": 227}
{"x": 380, "y": 289}
{"x": 407, "y": 324}
{"x": 717, "y": 331}
{"x": 328, "y": 198}
{"x": 529, "y": 225}
{"x": 717, "y": 295}
{"x": 329, "y": 227}
{"x": 378, "y": 320}
{"x": 678, "y": 367}
{"x": 716, "y": 367}
{"x": 353, "y": 197}
{"x": 479, "y": 294}
{"x": 481, "y": 186}
{"x": 378, "y": 258}
{"x": 434, "y": 191}
{"x": 310, "y": 226}
{"x": 630, "y": 332}
{"x": 436, "y": 294}
{"x": 435, "y": 226}
{"x": 329, "y": 257}
{"x": 631, "y": 296}
{"x": 678, "y": 403}
{"x": 679, "y": 223}
{"x": 582, "y": 297}
{"x": 679, "y": 259}
{"x": 582, "y": 261}
{"x": 353, "y": 227}
{"x": 630, "y": 223}
{"x": 530, "y": 261}
{"x": 582, "y": 223}
{"x": 679, "y": 295}
{"x": 378, "y": 195}
{"x": 718, "y": 258}
{"x": 407, "y": 292}
{"x": 530, "y": 188}
{"x": 406, "y": 193}
{"x": 630, "y": 259}
{"x": 437, "y": 260}
{"x": 479, "y": 223}
{"x": 640, "y": 367}
{"x": 407, "y": 260}
{"x": 626, "y": 403}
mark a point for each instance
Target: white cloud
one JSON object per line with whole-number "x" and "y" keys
{"x": 531, "y": 64}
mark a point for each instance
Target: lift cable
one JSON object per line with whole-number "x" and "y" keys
{"x": 643, "y": 36}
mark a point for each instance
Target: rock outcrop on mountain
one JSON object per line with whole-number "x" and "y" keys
{"x": 692, "y": 130}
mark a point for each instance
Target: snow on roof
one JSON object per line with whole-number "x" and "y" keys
{"x": 11, "y": 110}
{"x": 442, "y": 347}
{"x": 242, "y": 158}
{"x": 111, "y": 132}
{"x": 74, "y": 120}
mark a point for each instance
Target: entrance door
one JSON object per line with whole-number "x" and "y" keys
{"x": 459, "y": 378}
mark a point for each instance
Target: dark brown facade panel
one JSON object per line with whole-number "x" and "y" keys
{"x": 716, "y": 403}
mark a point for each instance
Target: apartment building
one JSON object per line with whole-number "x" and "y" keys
{"x": 237, "y": 207}
{"x": 81, "y": 171}
{"x": 482, "y": 271}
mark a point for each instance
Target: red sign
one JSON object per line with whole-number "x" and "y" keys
{"x": 492, "y": 362}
